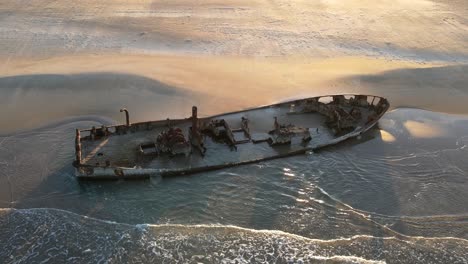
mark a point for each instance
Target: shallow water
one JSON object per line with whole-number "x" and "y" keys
{"x": 398, "y": 193}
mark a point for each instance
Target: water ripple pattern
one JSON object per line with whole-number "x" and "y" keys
{"x": 367, "y": 200}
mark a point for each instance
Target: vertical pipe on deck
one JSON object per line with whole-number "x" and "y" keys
{"x": 127, "y": 117}
{"x": 194, "y": 119}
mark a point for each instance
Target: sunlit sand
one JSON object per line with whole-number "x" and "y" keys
{"x": 232, "y": 54}
{"x": 424, "y": 130}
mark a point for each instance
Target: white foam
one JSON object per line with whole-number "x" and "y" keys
{"x": 352, "y": 259}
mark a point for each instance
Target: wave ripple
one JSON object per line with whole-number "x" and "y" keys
{"x": 40, "y": 235}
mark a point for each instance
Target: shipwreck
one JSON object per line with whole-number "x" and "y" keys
{"x": 198, "y": 144}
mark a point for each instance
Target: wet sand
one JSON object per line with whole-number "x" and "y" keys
{"x": 227, "y": 54}
{"x": 67, "y": 86}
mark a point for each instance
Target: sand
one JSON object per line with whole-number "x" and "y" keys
{"x": 68, "y": 58}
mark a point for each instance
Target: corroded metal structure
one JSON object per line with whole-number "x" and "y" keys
{"x": 192, "y": 145}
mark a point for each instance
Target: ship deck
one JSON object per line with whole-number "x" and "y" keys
{"x": 121, "y": 149}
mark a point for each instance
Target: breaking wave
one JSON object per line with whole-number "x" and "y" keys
{"x": 39, "y": 235}
{"x": 373, "y": 202}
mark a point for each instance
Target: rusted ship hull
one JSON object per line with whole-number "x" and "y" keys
{"x": 193, "y": 145}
